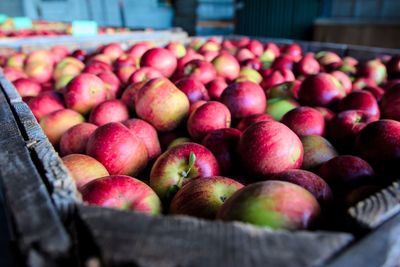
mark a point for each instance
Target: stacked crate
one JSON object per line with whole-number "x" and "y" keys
{"x": 205, "y": 17}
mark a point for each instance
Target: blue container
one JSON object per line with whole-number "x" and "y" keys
{"x": 156, "y": 18}
{"x": 215, "y": 10}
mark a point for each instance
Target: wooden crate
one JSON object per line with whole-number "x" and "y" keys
{"x": 55, "y": 229}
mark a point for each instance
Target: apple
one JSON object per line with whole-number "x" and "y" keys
{"x": 45, "y": 103}
{"x": 200, "y": 70}
{"x": 111, "y": 83}
{"x": 278, "y": 107}
{"x": 148, "y": 134}
{"x": 203, "y": 197}
{"x": 245, "y": 122}
{"x": 97, "y": 67}
{"x": 27, "y": 87}
{"x": 84, "y": 92}
{"x": 253, "y": 63}
{"x": 284, "y": 90}
{"x": 161, "y": 104}
{"x": 13, "y": 74}
{"x": 137, "y": 50}
{"x": 39, "y": 71}
{"x": 393, "y": 67}
{"x": 274, "y": 204}
{"x": 123, "y": 61}
{"x": 361, "y": 100}
{"x": 120, "y": 151}
{"x": 249, "y": 74}
{"x": 179, "y": 165}
{"x": 329, "y": 60}
{"x": 305, "y": 121}
{"x": 326, "y": 113}
{"x": 244, "y": 99}
{"x": 226, "y": 66}
{"x": 102, "y": 60}
{"x": 344, "y": 80}
{"x": 68, "y": 66}
{"x": 375, "y": 70}
{"x": 216, "y": 87}
{"x": 390, "y": 103}
{"x": 79, "y": 54}
{"x": 39, "y": 56}
{"x": 160, "y": 59}
{"x": 362, "y": 82}
{"x": 206, "y": 118}
{"x": 59, "y": 52}
{"x": 293, "y": 50}
{"x": 196, "y": 105}
{"x": 376, "y": 91}
{"x": 193, "y": 89}
{"x": 124, "y": 73}
{"x": 190, "y": 55}
{"x": 112, "y": 50}
{"x": 62, "y": 82}
{"x": 176, "y": 48}
{"x": 317, "y": 150}
{"x": 129, "y": 94}
{"x": 243, "y": 54}
{"x": 269, "y": 147}
{"x": 16, "y": 61}
{"x": 320, "y": 90}
{"x": 56, "y": 123}
{"x": 309, "y": 181}
{"x": 272, "y": 79}
{"x": 144, "y": 74}
{"x": 283, "y": 62}
{"x": 74, "y": 140}
{"x": 113, "y": 110}
{"x": 122, "y": 192}
{"x": 345, "y": 171}
{"x": 84, "y": 169}
{"x": 307, "y": 65}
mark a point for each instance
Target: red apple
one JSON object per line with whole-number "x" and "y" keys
{"x": 124, "y": 73}
{"x": 376, "y": 91}
{"x": 375, "y": 70}
{"x": 216, "y": 87}
{"x": 45, "y": 103}
{"x": 243, "y": 54}
{"x": 307, "y": 65}
{"x": 305, "y": 121}
{"x": 13, "y": 74}
{"x": 317, "y": 150}
{"x": 200, "y": 70}
{"x": 390, "y": 103}
{"x": 113, "y": 110}
{"x": 361, "y": 100}
{"x": 112, "y": 50}
{"x": 344, "y": 80}
{"x": 111, "y": 83}
{"x": 74, "y": 140}
{"x": 27, "y": 87}
{"x": 196, "y": 105}
{"x": 176, "y": 48}
{"x": 226, "y": 66}
{"x": 193, "y": 89}
{"x": 137, "y": 50}
{"x": 120, "y": 151}
{"x": 144, "y": 74}
{"x": 129, "y": 94}
{"x": 160, "y": 59}
{"x": 39, "y": 71}
{"x": 245, "y": 122}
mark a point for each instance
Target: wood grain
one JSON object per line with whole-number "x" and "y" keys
{"x": 127, "y": 238}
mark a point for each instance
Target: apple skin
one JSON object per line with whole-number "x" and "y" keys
{"x": 278, "y": 107}
{"x": 376, "y": 91}
{"x": 112, "y": 50}
{"x": 345, "y": 172}
{"x": 68, "y": 66}
{"x": 124, "y": 73}
{"x": 307, "y": 65}
{"x": 160, "y": 59}
{"x": 245, "y": 122}
{"x": 320, "y": 90}
{"x": 309, "y": 181}
{"x": 344, "y": 80}
{"x": 283, "y": 62}
{"x": 326, "y": 113}
{"x": 59, "y": 52}
{"x": 176, "y": 48}
{"x": 393, "y": 67}
{"x": 148, "y": 134}
{"x": 39, "y": 55}
{"x": 244, "y": 99}
{"x": 13, "y": 74}
{"x": 345, "y": 126}
{"x": 223, "y": 144}
{"x": 178, "y": 141}
{"x": 273, "y": 204}
{"x": 120, "y": 151}
{"x": 317, "y": 150}
{"x": 193, "y": 89}
{"x": 97, "y": 67}
{"x": 45, "y": 103}
{"x": 216, "y": 87}
{"x": 269, "y": 147}
{"x": 111, "y": 83}
{"x": 75, "y": 139}
{"x": 27, "y": 87}
{"x": 243, "y": 54}
{"x": 226, "y": 66}
{"x": 144, "y": 74}
{"x": 55, "y": 124}
{"x": 196, "y": 105}
{"x": 249, "y": 74}
{"x": 84, "y": 92}
{"x": 206, "y": 118}
{"x": 305, "y": 121}
{"x": 161, "y": 104}
{"x": 293, "y": 50}
{"x": 129, "y": 95}
{"x": 256, "y": 47}
{"x": 39, "y": 71}
{"x": 329, "y": 60}
{"x": 122, "y": 192}
{"x": 137, "y": 50}
{"x": 284, "y": 90}
{"x": 375, "y": 70}
{"x": 170, "y": 171}
{"x": 200, "y": 70}
{"x": 112, "y": 110}
{"x": 272, "y": 79}
{"x": 84, "y": 169}
{"x": 16, "y": 61}
{"x": 361, "y": 100}
{"x": 203, "y": 197}
{"x": 190, "y": 55}
{"x": 390, "y": 103}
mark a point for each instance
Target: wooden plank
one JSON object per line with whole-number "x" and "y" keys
{"x": 380, "y": 248}
{"x": 127, "y": 238}
{"x": 39, "y": 228}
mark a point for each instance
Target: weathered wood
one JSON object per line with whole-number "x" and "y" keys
{"x": 379, "y": 248}
{"x": 377, "y": 208}
{"x": 136, "y": 239}
{"x": 39, "y": 228}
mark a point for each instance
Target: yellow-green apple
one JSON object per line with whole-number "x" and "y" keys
{"x": 245, "y": 122}
{"x": 226, "y": 66}
{"x": 148, "y": 134}
{"x": 193, "y": 89}
{"x": 320, "y": 90}
{"x": 56, "y": 123}
{"x": 112, "y": 110}
{"x": 274, "y": 204}
{"x": 309, "y": 181}
{"x": 206, "y": 118}
{"x": 84, "y": 169}
{"x": 180, "y": 164}
{"x": 27, "y": 87}
{"x": 62, "y": 82}
{"x": 223, "y": 143}
{"x": 84, "y": 92}
{"x": 45, "y": 103}
{"x": 269, "y": 147}
{"x": 111, "y": 83}
{"x": 305, "y": 121}
{"x": 68, "y": 66}
{"x": 203, "y": 197}
{"x": 216, "y": 87}
{"x": 122, "y": 192}
{"x": 75, "y": 139}
{"x": 118, "y": 149}
{"x": 361, "y": 100}
{"x": 317, "y": 150}
{"x": 244, "y": 99}
{"x": 161, "y": 104}
{"x": 278, "y": 107}
{"x": 249, "y": 74}
{"x": 160, "y": 59}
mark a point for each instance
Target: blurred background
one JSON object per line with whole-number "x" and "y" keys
{"x": 364, "y": 22}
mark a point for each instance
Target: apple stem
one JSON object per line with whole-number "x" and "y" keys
{"x": 185, "y": 174}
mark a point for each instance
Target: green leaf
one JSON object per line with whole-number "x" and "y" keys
{"x": 192, "y": 160}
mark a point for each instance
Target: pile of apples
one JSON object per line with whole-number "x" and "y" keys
{"x": 229, "y": 130}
